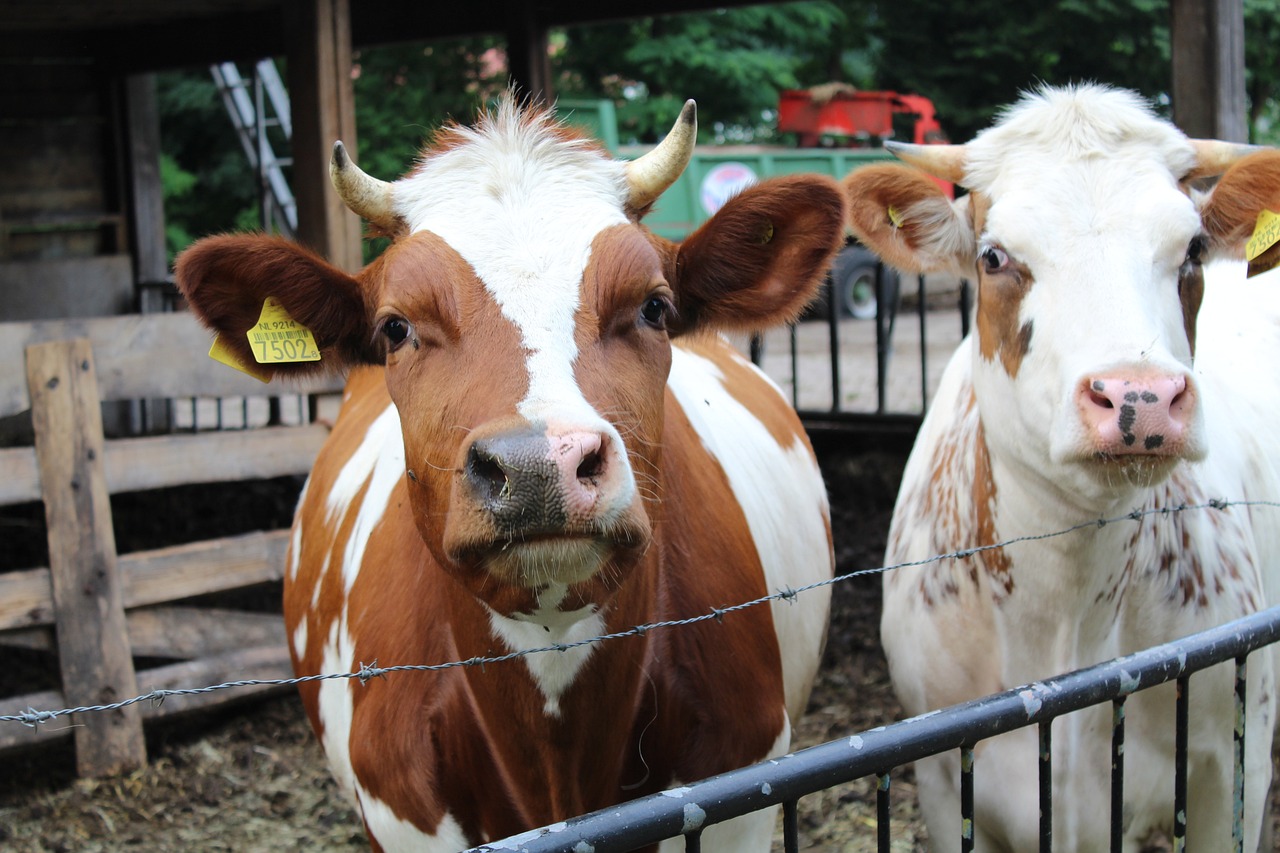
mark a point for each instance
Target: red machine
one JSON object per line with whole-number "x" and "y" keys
{"x": 837, "y": 115}
{"x": 858, "y": 118}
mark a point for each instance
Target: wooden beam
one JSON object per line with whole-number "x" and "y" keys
{"x": 177, "y": 632}
{"x": 93, "y": 645}
{"x": 156, "y": 577}
{"x": 530, "y": 70}
{"x": 142, "y": 137}
{"x": 138, "y": 356}
{"x": 1207, "y": 38}
{"x": 322, "y": 98}
{"x": 266, "y": 663}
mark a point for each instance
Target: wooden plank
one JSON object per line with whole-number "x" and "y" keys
{"x": 322, "y": 98}
{"x": 183, "y": 571}
{"x": 155, "y": 462}
{"x": 26, "y": 599}
{"x": 139, "y": 356}
{"x": 177, "y": 632}
{"x": 267, "y": 663}
{"x": 151, "y": 261}
{"x": 157, "y": 577}
{"x": 93, "y": 646}
{"x": 190, "y": 632}
{"x": 1207, "y": 44}
{"x": 19, "y": 476}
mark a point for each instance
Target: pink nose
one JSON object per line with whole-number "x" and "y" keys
{"x": 535, "y": 481}
{"x": 1137, "y": 414}
{"x": 581, "y": 459}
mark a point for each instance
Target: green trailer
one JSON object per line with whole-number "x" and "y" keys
{"x": 717, "y": 172}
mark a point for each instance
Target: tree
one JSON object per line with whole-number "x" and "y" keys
{"x": 733, "y": 61}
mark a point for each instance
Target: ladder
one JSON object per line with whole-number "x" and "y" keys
{"x": 246, "y": 102}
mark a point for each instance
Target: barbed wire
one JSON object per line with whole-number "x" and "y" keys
{"x": 366, "y": 672}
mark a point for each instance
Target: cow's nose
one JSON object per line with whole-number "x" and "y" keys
{"x": 1139, "y": 413}
{"x": 533, "y": 481}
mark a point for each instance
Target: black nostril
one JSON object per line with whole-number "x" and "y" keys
{"x": 592, "y": 465}
{"x": 486, "y": 473}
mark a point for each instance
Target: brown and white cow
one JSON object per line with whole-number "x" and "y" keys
{"x": 1096, "y": 382}
{"x": 525, "y": 459}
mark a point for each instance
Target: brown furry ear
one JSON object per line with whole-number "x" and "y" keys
{"x": 226, "y": 280}
{"x": 760, "y": 259}
{"x": 1231, "y": 211}
{"x": 904, "y": 217}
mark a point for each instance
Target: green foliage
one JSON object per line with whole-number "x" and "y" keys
{"x": 1261, "y": 65}
{"x": 971, "y": 58}
{"x": 208, "y": 184}
{"x": 405, "y": 92}
{"x": 733, "y": 62}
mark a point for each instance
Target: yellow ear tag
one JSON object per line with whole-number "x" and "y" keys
{"x": 222, "y": 353}
{"x": 278, "y": 338}
{"x": 894, "y": 216}
{"x": 1265, "y": 235}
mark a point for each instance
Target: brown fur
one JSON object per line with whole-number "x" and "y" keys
{"x": 760, "y": 259}
{"x": 476, "y": 743}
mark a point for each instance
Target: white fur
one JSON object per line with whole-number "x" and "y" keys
{"x": 552, "y": 672}
{"x": 522, "y": 208}
{"x": 784, "y": 512}
{"x": 1093, "y": 210}
{"x": 396, "y": 834}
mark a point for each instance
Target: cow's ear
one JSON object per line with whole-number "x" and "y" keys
{"x": 903, "y": 216}
{"x": 759, "y": 260}
{"x": 227, "y": 279}
{"x": 1230, "y": 212}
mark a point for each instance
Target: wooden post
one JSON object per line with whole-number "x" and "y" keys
{"x": 1207, "y": 39}
{"x": 150, "y": 261}
{"x": 530, "y": 70}
{"x": 322, "y": 99}
{"x": 93, "y": 644}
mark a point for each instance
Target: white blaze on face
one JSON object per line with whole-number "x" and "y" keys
{"x": 522, "y": 207}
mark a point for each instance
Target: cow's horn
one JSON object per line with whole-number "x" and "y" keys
{"x": 366, "y": 196}
{"x": 649, "y": 176}
{"x": 941, "y": 161}
{"x": 1213, "y": 156}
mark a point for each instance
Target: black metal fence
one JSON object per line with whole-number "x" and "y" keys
{"x": 784, "y": 781}
{"x": 884, "y": 417}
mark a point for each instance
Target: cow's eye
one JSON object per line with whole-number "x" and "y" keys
{"x": 1196, "y": 250}
{"x": 994, "y": 260}
{"x": 396, "y": 331}
{"x": 655, "y": 311}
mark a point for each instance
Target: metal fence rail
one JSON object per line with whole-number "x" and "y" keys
{"x": 689, "y": 810}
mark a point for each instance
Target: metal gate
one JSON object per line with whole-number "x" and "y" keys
{"x": 785, "y": 780}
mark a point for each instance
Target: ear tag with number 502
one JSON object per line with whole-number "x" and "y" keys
{"x": 278, "y": 338}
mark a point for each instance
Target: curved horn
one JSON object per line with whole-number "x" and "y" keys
{"x": 366, "y": 196}
{"x": 941, "y": 161}
{"x": 649, "y": 176}
{"x": 1214, "y": 156}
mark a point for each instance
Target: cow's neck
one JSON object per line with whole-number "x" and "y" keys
{"x": 550, "y": 724}
{"x": 1055, "y": 599}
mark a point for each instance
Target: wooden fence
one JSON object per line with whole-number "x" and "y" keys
{"x": 99, "y": 609}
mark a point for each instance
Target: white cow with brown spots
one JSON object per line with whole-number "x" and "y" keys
{"x": 1096, "y": 382}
